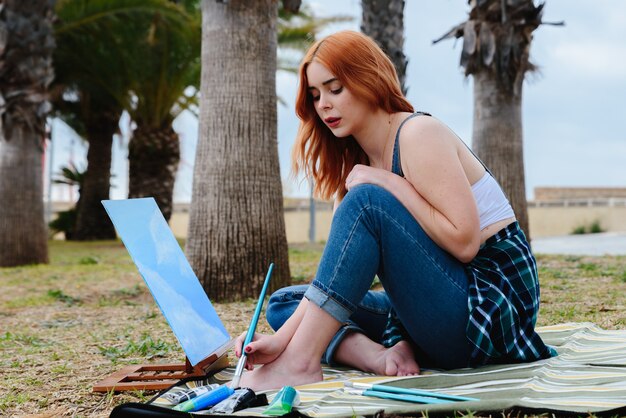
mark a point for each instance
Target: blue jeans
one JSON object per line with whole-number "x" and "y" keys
{"x": 372, "y": 233}
{"x": 370, "y": 317}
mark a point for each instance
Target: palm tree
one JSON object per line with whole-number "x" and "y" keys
{"x": 89, "y": 96}
{"x": 96, "y": 60}
{"x": 164, "y": 85}
{"x": 236, "y": 222}
{"x": 383, "y": 21}
{"x": 496, "y": 45}
{"x": 101, "y": 59}
{"x": 167, "y": 64}
{"x": 236, "y": 225}
{"x": 26, "y": 47}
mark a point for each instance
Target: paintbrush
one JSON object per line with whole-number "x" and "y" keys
{"x": 395, "y": 396}
{"x": 251, "y": 330}
{"x": 376, "y": 390}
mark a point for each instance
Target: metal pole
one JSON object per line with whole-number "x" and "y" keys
{"x": 311, "y": 213}
{"x": 50, "y": 163}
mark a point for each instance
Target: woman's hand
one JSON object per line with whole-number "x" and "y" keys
{"x": 364, "y": 174}
{"x": 262, "y": 350}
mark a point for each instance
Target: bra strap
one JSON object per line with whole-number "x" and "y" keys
{"x": 396, "y": 166}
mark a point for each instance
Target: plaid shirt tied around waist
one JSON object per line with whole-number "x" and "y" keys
{"x": 503, "y": 302}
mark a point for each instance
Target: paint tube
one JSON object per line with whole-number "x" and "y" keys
{"x": 285, "y": 399}
{"x": 242, "y": 398}
{"x": 178, "y": 397}
{"x": 206, "y": 400}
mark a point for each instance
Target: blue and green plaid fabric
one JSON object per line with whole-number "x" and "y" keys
{"x": 394, "y": 330}
{"x": 504, "y": 301}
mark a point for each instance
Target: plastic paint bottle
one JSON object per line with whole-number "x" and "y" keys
{"x": 283, "y": 402}
{"x": 204, "y": 401}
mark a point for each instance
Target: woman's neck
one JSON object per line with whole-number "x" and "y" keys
{"x": 377, "y": 136}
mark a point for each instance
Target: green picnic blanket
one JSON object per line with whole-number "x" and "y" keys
{"x": 588, "y": 376}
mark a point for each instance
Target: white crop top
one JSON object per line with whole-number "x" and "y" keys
{"x": 493, "y": 206}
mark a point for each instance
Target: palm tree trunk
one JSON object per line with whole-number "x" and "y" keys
{"x": 92, "y": 222}
{"x": 26, "y": 45}
{"x": 383, "y": 21}
{"x": 498, "y": 140}
{"x": 236, "y": 222}
{"x": 153, "y": 156}
{"x": 23, "y": 232}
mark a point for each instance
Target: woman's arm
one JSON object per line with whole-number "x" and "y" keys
{"x": 435, "y": 189}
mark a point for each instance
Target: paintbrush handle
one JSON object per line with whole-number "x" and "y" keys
{"x": 417, "y": 392}
{"x": 398, "y": 396}
{"x": 408, "y": 391}
{"x": 259, "y": 306}
{"x": 251, "y": 329}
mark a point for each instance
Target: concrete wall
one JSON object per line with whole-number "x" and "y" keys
{"x": 544, "y": 221}
{"x": 559, "y": 210}
{"x": 547, "y": 218}
{"x": 296, "y": 224}
{"x": 568, "y": 193}
{"x": 553, "y": 221}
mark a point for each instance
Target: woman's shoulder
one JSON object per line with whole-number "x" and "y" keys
{"x": 425, "y": 129}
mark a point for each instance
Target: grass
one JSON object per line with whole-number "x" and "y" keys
{"x": 145, "y": 348}
{"x": 66, "y": 325}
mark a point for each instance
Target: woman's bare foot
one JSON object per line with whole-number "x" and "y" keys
{"x": 398, "y": 360}
{"x": 357, "y": 350}
{"x": 286, "y": 370}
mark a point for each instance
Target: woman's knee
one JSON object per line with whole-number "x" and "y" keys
{"x": 373, "y": 204}
{"x": 367, "y": 192}
{"x": 365, "y": 197}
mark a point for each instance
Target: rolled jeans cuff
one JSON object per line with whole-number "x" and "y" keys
{"x": 329, "y": 354}
{"x": 328, "y": 304}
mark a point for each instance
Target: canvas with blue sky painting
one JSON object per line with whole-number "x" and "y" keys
{"x": 173, "y": 284}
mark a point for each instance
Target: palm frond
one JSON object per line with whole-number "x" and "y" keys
{"x": 70, "y": 175}
{"x": 166, "y": 65}
{"x": 133, "y": 54}
{"x": 77, "y": 15}
{"x": 298, "y": 30}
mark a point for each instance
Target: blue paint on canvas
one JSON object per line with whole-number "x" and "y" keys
{"x": 173, "y": 284}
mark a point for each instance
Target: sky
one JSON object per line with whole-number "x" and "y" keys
{"x": 574, "y": 107}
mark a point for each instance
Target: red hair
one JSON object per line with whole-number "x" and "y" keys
{"x": 364, "y": 69}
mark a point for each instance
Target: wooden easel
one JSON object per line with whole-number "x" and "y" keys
{"x": 158, "y": 376}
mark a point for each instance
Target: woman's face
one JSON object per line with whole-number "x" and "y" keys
{"x": 335, "y": 105}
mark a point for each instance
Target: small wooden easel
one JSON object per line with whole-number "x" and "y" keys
{"x": 158, "y": 376}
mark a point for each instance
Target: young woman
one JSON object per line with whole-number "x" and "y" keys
{"x": 414, "y": 206}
